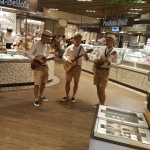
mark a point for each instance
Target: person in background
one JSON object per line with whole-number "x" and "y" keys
{"x": 9, "y": 37}
{"x": 63, "y": 43}
{"x": 70, "y": 41}
{"x": 102, "y": 71}
{"x": 37, "y": 52}
{"x": 74, "y": 50}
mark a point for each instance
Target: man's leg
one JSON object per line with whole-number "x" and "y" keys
{"x": 67, "y": 88}
{"x": 75, "y": 88}
{"x": 101, "y": 94}
{"x": 42, "y": 87}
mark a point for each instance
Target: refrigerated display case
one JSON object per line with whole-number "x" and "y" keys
{"x": 137, "y": 58}
{"x": 16, "y": 69}
{"x": 115, "y": 134}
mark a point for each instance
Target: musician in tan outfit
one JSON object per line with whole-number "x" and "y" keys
{"x": 74, "y": 50}
{"x": 105, "y": 56}
{"x": 37, "y": 52}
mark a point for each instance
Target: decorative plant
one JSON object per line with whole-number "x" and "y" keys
{"x": 124, "y": 2}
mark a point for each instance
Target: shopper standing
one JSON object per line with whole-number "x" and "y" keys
{"x": 73, "y": 50}
{"x": 104, "y": 57}
{"x": 37, "y": 52}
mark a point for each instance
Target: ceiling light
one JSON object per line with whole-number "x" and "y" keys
{"x": 53, "y": 9}
{"x": 90, "y": 11}
{"x": 84, "y": 0}
{"x": 141, "y": 2}
{"x": 103, "y": 32}
{"x": 136, "y": 9}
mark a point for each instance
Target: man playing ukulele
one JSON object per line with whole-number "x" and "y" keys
{"x": 37, "y": 52}
{"x": 74, "y": 50}
{"x": 105, "y": 55}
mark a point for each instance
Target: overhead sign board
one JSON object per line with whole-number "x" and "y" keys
{"x": 62, "y": 22}
{"x": 27, "y": 5}
{"x": 117, "y": 22}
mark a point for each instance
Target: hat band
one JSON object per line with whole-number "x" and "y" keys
{"x": 110, "y": 38}
{"x": 46, "y": 35}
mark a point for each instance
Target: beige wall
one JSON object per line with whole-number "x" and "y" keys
{"x": 52, "y": 26}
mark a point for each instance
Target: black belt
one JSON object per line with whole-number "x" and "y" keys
{"x": 44, "y": 65}
{"x": 104, "y": 68}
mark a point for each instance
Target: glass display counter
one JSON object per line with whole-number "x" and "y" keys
{"x": 130, "y": 70}
{"x": 137, "y": 58}
{"x": 15, "y": 69}
{"x": 108, "y": 133}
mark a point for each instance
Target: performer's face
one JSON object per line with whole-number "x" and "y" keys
{"x": 77, "y": 40}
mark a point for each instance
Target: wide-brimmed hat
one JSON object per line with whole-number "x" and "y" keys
{"x": 47, "y": 34}
{"x": 111, "y": 37}
{"x": 77, "y": 34}
{"x": 9, "y": 29}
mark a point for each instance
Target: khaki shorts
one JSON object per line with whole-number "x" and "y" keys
{"x": 41, "y": 75}
{"x": 75, "y": 73}
{"x": 101, "y": 77}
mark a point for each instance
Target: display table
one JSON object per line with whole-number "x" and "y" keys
{"x": 118, "y": 129}
{"x": 15, "y": 72}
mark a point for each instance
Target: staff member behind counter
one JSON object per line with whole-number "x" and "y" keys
{"x": 9, "y": 37}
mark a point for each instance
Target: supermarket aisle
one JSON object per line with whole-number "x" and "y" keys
{"x": 55, "y": 124}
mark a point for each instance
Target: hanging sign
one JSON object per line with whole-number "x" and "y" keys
{"x": 28, "y": 5}
{"x": 8, "y": 20}
{"x": 62, "y": 22}
{"x": 117, "y": 22}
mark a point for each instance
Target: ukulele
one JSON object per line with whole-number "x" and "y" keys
{"x": 74, "y": 59}
{"x": 36, "y": 63}
{"x": 100, "y": 61}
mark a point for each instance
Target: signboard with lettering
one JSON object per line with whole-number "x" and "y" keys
{"x": 117, "y": 22}
{"x": 27, "y": 5}
{"x": 62, "y": 22}
{"x": 8, "y": 20}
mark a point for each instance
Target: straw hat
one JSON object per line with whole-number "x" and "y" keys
{"x": 111, "y": 37}
{"x": 47, "y": 34}
{"x": 77, "y": 34}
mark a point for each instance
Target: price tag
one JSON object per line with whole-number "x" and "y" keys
{"x": 134, "y": 137}
{"x": 144, "y": 140}
{"x": 102, "y": 130}
{"x": 103, "y": 122}
{"x": 141, "y": 130}
{"x": 103, "y": 107}
{"x": 140, "y": 122}
{"x": 138, "y": 114}
{"x": 102, "y": 114}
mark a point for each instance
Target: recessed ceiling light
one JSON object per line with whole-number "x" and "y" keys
{"x": 53, "y": 9}
{"x": 90, "y": 11}
{"x": 136, "y": 9}
{"x": 84, "y": 0}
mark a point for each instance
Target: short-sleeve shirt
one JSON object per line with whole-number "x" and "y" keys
{"x": 103, "y": 51}
{"x": 38, "y": 50}
{"x": 72, "y": 50}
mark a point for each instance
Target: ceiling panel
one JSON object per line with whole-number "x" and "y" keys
{"x": 102, "y": 8}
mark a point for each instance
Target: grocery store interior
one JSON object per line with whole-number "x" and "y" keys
{"x": 122, "y": 123}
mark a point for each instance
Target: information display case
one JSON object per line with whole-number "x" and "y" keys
{"x": 122, "y": 116}
{"x": 115, "y": 134}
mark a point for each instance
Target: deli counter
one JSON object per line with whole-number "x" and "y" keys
{"x": 130, "y": 70}
{"x": 15, "y": 69}
{"x": 119, "y": 129}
